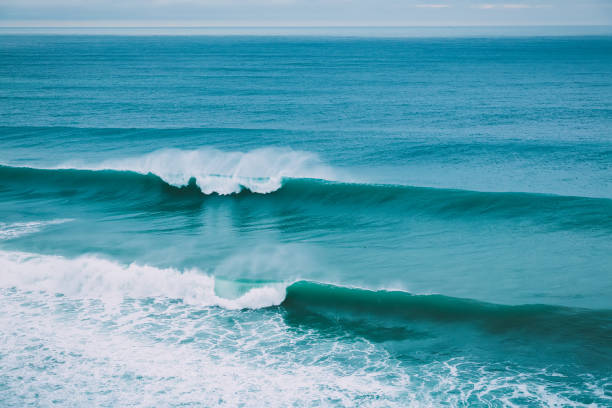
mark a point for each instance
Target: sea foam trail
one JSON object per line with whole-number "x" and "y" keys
{"x": 90, "y": 277}
{"x": 216, "y": 171}
{"x": 17, "y": 229}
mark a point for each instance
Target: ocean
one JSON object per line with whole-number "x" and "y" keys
{"x": 303, "y": 219}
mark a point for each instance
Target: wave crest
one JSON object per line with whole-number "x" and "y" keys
{"x": 216, "y": 171}
{"x": 89, "y": 276}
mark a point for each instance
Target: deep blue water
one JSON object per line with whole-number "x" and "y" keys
{"x": 305, "y": 220}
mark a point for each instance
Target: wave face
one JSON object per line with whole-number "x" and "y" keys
{"x": 354, "y": 305}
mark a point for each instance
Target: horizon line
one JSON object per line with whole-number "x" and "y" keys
{"x": 305, "y": 26}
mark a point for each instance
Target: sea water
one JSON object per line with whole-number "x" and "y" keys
{"x": 305, "y": 220}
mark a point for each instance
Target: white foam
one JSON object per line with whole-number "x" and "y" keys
{"x": 17, "y": 229}
{"x": 72, "y": 353}
{"x": 92, "y": 277}
{"x": 59, "y": 351}
{"x": 216, "y": 171}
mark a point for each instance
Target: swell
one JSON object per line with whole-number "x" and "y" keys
{"x": 131, "y": 189}
{"x": 562, "y": 211}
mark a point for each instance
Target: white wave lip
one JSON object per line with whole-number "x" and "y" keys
{"x": 215, "y": 171}
{"x": 93, "y": 277}
{"x": 17, "y": 229}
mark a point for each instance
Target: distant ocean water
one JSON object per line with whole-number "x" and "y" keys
{"x": 306, "y": 220}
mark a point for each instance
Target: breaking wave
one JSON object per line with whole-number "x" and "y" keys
{"x": 92, "y": 277}
{"x": 216, "y": 171}
{"x": 171, "y": 188}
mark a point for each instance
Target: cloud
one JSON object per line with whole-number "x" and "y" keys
{"x": 516, "y": 6}
{"x": 306, "y": 12}
{"x": 433, "y": 6}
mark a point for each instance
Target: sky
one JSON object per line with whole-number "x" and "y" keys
{"x": 104, "y": 13}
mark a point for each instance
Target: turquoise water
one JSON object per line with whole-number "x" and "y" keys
{"x": 305, "y": 220}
